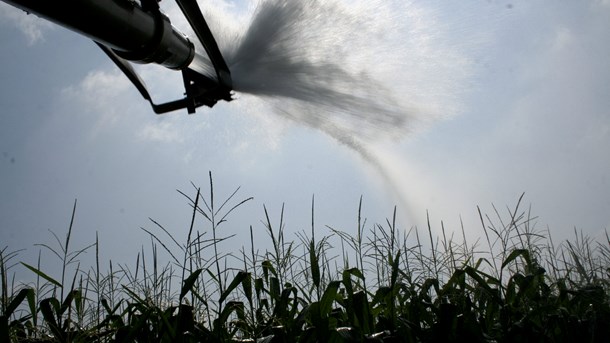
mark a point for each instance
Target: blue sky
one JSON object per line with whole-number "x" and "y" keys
{"x": 516, "y": 98}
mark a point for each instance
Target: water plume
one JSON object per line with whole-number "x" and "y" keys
{"x": 359, "y": 71}
{"x": 348, "y": 68}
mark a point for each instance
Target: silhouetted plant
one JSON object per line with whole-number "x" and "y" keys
{"x": 375, "y": 285}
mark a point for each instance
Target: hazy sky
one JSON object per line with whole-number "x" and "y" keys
{"x": 518, "y": 96}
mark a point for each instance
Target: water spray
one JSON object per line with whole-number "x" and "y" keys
{"x": 129, "y": 31}
{"x": 362, "y": 72}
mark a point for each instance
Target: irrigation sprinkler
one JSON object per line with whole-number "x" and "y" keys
{"x": 137, "y": 31}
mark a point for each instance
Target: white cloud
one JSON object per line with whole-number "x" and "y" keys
{"x": 164, "y": 132}
{"x": 604, "y": 3}
{"x": 30, "y": 25}
{"x": 553, "y": 138}
{"x": 107, "y": 95}
{"x": 539, "y": 125}
{"x": 563, "y": 38}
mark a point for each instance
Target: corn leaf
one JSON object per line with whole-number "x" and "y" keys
{"x": 42, "y": 275}
{"x": 189, "y": 283}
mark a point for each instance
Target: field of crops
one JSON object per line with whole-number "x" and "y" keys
{"x": 376, "y": 284}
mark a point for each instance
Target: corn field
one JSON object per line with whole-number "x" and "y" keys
{"x": 376, "y": 284}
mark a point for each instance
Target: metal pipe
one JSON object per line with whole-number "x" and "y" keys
{"x": 122, "y": 25}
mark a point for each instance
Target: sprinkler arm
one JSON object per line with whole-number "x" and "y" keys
{"x": 128, "y": 31}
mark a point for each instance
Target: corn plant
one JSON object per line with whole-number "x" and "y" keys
{"x": 374, "y": 282}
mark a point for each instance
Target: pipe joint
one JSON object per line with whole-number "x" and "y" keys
{"x": 168, "y": 47}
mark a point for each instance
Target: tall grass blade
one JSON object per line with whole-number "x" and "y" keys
{"x": 329, "y": 297}
{"x": 42, "y": 274}
{"x": 16, "y": 301}
{"x": 237, "y": 280}
{"x": 189, "y": 283}
{"x": 514, "y": 254}
{"x": 314, "y": 265}
{"x": 50, "y": 308}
